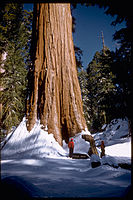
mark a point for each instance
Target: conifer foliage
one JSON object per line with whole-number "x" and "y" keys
{"x": 98, "y": 89}
{"x": 122, "y": 65}
{"x": 101, "y": 86}
{"x": 15, "y": 33}
{"x": 84, "y": 80}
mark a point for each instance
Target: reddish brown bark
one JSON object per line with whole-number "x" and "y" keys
{"x": 56, "y": 97}
{"x": 90, "y": 139}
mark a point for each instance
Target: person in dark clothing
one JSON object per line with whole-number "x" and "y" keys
{"x": 90, "y": 151}
{"x": 71, "y": 147}
{"x": 102, "y": 149}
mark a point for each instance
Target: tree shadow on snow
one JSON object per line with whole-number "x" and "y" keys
{"x": 14, "y": 187}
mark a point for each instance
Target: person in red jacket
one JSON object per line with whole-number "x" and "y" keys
{"x": 71, "y": 147}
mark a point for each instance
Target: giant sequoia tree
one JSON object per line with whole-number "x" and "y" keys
{"x": 55, "y": 96}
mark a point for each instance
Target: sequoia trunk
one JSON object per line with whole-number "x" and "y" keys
{"x": 56, "y": 96}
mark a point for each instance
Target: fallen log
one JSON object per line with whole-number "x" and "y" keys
{"x": 122, "y": 165}
{"x": 125, "y": 165}
{"x": 90, "y": 139}
{"x": 80, "y": 156}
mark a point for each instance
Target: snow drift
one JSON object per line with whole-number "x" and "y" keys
{"x": 113, "y": 133}
{"x": 38, "y": 143}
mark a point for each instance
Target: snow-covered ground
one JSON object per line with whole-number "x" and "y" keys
{"x": 67, "y": 178}
{"x": 42, "y": 167}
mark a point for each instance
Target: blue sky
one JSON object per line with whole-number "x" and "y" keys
{"x": 90, "y": 21}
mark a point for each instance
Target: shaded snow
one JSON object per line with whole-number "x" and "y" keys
{"x": 67, "y": 178}
{"x": 80, "y": 145}
{"x": 114, "y": 132}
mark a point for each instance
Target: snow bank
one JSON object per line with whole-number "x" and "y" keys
{"x": 122, "y": 150}
{"x": 39, "y": 144}
{"x": 114, "y": 132}
{"x": 36, "y": 143}
{"x": 109, "y": 160}
{"x": 115, "y": 137}
{"x": 118, "y": 128}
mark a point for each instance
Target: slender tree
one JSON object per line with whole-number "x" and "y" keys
{"x": 54, "y": 96}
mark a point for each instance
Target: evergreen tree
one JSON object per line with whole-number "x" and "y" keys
{"x": 122, "y": 67}
{"x": 15, "y": 29}
{"x": 83, "y": 81}
{"x": 78, "y": 55}
{"x": 101, "y": 87}
{"x": 123, "y": 60}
